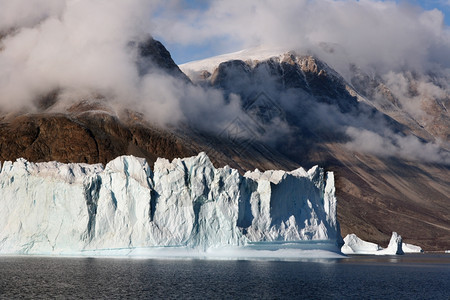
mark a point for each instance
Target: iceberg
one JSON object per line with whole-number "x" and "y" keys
{"x": 355, "y": 245}
{"x": 126, "y": 208}
{"x": 409, "y": 248}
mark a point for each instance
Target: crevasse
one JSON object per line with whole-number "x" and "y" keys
{"x": 55, "y": 208}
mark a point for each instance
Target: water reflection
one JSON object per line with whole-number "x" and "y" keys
{"x": 407, "y": 276}
{"x": 417, "y": 259}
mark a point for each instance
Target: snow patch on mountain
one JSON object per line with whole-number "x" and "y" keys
{"x": 209, "y": 64}
{"x": 125, "y": 207}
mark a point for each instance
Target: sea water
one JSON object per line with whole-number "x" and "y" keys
{"x": 361, "y": 277}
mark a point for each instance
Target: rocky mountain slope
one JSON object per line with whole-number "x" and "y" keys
{"x": 377, "y": 192}
{"x": 91, "y": 130}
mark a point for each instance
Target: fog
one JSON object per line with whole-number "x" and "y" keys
{"x": 84, "y": 49}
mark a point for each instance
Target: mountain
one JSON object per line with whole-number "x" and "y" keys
{"x": 378, "y": 192}
{"x": 297, "y": 110}
{"x": 91, "y": 130}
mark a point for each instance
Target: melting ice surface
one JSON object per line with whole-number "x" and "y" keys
{"x": 186, "y": 207}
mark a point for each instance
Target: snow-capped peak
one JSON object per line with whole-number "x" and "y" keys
{"x": 256, "y": 53}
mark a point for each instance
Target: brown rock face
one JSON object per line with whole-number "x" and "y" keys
{"x": 95, "y": 137}
{"x": 44, "y": 138}
{"x": 87, "y": 138}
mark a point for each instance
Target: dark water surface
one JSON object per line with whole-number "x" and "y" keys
{"x": 405, "y": 277}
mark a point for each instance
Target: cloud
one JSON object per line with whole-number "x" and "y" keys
{"x": 27, "y": 13}
{"x": 88, "y": 48}
{"x": 391, "y": 144}
{"x": 77, "y": 45}
{"x": 415, "y": 91}
{"x": 383, "y": 35}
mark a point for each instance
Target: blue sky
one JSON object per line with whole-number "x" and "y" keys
{"x": 442, "y": 5}
{"x": 184, "y": 52}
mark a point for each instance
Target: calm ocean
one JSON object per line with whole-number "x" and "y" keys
{"x": 393, "y": 277}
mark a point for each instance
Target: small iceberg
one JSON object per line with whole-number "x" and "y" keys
{"x": 355, "y": 245}
{"x": 408, "y": 248}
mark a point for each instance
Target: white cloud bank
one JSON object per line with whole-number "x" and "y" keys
{"x": 380, "y": 34}
{"x": 82, "y": 48}
{"x": 77, "y": 45}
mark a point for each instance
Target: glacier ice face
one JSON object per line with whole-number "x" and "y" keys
{"x": 55, "y": 208}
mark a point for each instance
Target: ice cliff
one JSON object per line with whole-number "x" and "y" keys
{"x": 56, "y": 208}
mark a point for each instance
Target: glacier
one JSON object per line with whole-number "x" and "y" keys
{"x": 183, "y": 207}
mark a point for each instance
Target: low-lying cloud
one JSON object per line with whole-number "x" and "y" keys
{"x": 78, "y": 45}
{"x": 391, "y": 144}
{"x": 88, "y": 48}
